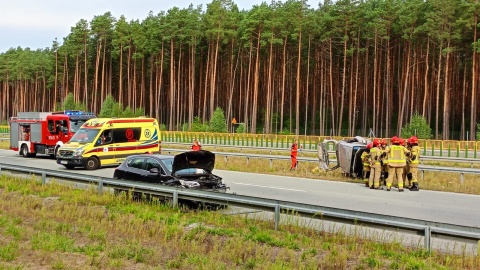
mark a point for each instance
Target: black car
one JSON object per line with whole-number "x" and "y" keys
{"x": 191, "y": 169}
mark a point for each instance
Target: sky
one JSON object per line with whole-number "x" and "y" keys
{"x": 35, "y": 24}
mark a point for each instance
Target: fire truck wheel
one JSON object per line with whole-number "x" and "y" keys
{"x": 92, "y": 163}
{"x": 24, "y": 151}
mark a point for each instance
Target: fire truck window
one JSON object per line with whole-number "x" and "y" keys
{"x": 58, "y": 127}
{"x": 50, "y": 126}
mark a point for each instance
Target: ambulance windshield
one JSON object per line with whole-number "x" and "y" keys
{"x": 85, "y": 135}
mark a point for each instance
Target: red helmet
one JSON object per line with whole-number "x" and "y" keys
{"x": 369, "y": 146}
{"x": 384, "y": 142}
{"x": 413, "y": 139}
{"x": 402, "y": 141}
{"x": 376, "y": 142}
{"x": 395, "y": 140}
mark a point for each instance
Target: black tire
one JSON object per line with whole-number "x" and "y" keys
{"x": 69, "y": 166}
{"x": 92, "y": 163}
{"x": 24, "y": 151}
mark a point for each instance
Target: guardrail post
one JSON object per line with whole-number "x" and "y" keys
{"x": 100, "y": 186}
{"x": 449, "y": 150}
{"x": 422, "y": 172}
{"x": 441, "y": 149}
{"x": 475, "y": 151}
{"x": 277, "y": 216}
{"x": 226, "y": 159}
{"x": 248, "y": 159}
{"x": 458, "y": 150}
{"x": 428, "y": 239}
{"x": 425, "y": 148}
{"x": 461, "y": 178}
{"x": 271, "y": 161}
{"x": 44, "y": 178}
{"x": 175, "y": 199}
{"x": 433, "y": 150}
{"x": 466, "y": 150}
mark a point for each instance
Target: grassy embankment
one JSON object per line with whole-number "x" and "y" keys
{"x": 55, "y": 227}
{"x": 449, "y": 182}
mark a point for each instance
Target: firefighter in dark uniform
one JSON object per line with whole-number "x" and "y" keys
{"x": 383, "y": 163}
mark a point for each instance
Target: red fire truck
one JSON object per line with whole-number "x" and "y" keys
{"x": 33, "y": 133}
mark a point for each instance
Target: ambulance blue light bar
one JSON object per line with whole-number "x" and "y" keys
{"x": 73, "y": 112}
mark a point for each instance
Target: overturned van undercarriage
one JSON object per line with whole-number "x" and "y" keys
{"x": 348, "y": 153}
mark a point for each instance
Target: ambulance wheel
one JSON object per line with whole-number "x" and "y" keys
{"x": 92, "y": 163}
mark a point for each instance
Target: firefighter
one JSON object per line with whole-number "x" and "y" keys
{"x": 383, "y": 163}
{"x": 293, "y": 154}
{"x": 375, "y": 167}
{"x": 414, "y": 161}
{"x": 196, "y": 146}
{"x": 396, "y": 154}
{"x": 26, "y": 133}
{"x": 366, "y": 163}
{"x": 407, "y": 175}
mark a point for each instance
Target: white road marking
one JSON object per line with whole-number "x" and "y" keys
{"x": 268, "y": 187}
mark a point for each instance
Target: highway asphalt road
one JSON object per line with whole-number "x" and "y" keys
{"x": 453, "y": 208}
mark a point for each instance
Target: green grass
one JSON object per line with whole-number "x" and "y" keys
{"x": 55, "y": 227}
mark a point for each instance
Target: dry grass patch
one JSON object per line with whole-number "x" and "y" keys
{"x": 55, "y": 227}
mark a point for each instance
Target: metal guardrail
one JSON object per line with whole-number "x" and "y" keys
{"x": 422, "y": 168}
{"x": 314, "y": 151}
{"x": 427, "y": 229}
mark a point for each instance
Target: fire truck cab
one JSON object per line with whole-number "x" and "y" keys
{"x": 33, "y": 133}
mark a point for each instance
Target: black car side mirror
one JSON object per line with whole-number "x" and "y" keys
{"x": 153, "y": 170}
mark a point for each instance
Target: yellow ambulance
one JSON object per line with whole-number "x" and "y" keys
{"x": 108, "y": 141}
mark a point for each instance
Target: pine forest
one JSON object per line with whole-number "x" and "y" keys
{"x": 344, "y": 67}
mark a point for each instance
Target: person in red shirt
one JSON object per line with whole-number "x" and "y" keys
{"x": 196, "y": 146}
{"x": 293, "y": 154}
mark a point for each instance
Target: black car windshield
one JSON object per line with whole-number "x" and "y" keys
{"x": 85, "y": 135}
{"x": 168, "y": 163}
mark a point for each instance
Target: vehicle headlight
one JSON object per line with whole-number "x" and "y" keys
{"x": 189, "y": 184}
{"x": 78, "y": 153}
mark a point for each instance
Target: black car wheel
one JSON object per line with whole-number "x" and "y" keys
{"x": 92, "y": 163}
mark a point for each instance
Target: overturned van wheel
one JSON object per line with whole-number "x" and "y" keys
{"x": 92, "y": 163}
